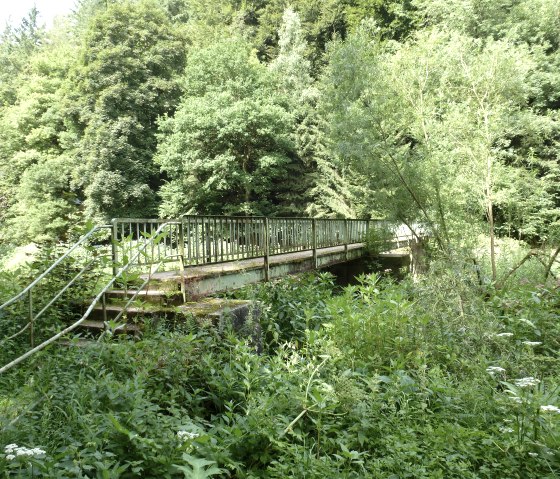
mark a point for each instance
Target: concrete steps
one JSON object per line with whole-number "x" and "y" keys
{"x": 156, "y": 296}
{"x": 160, "y": 304}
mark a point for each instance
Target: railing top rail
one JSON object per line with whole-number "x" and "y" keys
{"x": 161, "y": 220}
{"x": 147, "y": 220}
{"x": 53, "y": 266}
{"x": 239, "y": 217}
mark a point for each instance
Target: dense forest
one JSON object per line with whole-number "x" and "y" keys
{"x": 407, "y": 110}
{"x": 440, "y": 115}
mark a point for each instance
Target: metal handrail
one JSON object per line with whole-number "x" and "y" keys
{"x": 205, "y": 239}
{"x": 77, "y": 323}
{"x": 54, "y": 265}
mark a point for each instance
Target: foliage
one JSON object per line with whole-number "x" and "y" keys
{"x": 436, "y": 114}
{"x": 383, "y": 379}
{"x": 125, "y": 79}
{"x": 401, "y": 120}
{"x": 228, "y": 149}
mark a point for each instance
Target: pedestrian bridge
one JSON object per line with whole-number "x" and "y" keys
{"x": 170, "y": 262}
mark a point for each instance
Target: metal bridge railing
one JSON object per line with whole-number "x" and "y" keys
{"x": 33, "y": 297}
{"x": 216, "y": 239}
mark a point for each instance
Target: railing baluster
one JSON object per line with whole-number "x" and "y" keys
{"x": 181, "y": 241}
{"x": 230, "y": 239}
{"x": 215, "y": 239}
{"x": 104, "y": 307}
{"x": 208, "y": 239}
{"x": 266, "y": 250}
{"x": 130, "y": 236}
{"x": 188, "y": 238}
{"x": 314, "y": 237}
{"x": 346, "y": 239}
{"x": 114, "y": 249}
{"x": 196, "y": 239}
{"x": 122, "y": 240}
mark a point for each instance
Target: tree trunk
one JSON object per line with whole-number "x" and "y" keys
{"x": 490, "y": 216}
{"x": 551, "y": 263}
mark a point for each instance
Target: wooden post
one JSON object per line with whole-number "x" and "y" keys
{"x": 314, "y": 241}
{"x": 266, "y": 251}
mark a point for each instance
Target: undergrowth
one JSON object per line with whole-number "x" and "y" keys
{"x": 428, "y": 379}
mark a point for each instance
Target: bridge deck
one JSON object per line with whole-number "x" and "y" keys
{"x": 216, "y": 269}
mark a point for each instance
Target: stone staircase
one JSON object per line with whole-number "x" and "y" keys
{"x": 163, "y": 301}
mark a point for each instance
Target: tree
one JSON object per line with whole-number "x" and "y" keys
{"x": 17, "y": 44}
{"x": 229, "y": 147}
{"x": 434, "y": 122}
{"x": 126, "y": 80}
{"x": 397, "y": 19}
{"x": 35, "y": 175}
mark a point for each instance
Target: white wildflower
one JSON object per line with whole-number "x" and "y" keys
{"x": 533, "y": 454}
{"x": 516, "y": 399}
{"x": 495, "y": 370}
{"x": 550, "y": 408}
{"x": 503, "y": 335}
{"x": 531, "y": 343}
{"x": 14, "y": 451}
{"x": 506, "y": 430}
{"x": 186, "y": 435}
{"x": 526, "y": 382}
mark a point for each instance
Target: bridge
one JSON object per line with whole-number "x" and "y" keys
{"x": 169, "y": 263}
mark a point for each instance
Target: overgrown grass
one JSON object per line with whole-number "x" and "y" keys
{"x": 384, "y": 380}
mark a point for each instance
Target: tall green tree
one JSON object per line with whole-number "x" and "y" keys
{"x": 35, "y": 173}
{"x": 329, "y": 188}
{"x": 17, "y": 44}
{"x": 229, "y": 147}
{"x": 434, "y": 121}
{"x": 126, "y": 79}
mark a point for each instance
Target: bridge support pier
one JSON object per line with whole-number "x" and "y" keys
{"x": 417, "y": 258}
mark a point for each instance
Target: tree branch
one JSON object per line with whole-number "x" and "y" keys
{"x": 529, "y": 255}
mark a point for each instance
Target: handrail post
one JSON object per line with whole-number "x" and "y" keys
{"x": 206, "y": 240}
{"x": 114, "y": 251}
{"x": 314, "y": 240}
{"x": 346, "y": 239}
{"x": 31, "y": 321}
{"x": 266, "y": 251}
{"x": 104, "y": 307}
{"x": 181, "y": 240}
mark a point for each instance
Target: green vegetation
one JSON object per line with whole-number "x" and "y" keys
{"x": 418, "y": 379}
{"x": 415, "y": 111}
{"x": 443, "y": 116}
